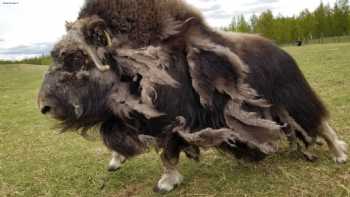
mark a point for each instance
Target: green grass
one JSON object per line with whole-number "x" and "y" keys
{"x": 36, "y": 161}
{"x": 327, "y": 40}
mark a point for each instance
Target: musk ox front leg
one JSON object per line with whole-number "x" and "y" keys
{"x": 170, "y": 158}
{"x": 337, "y": 146}
{"x": 171, "y": 176}
{"x": 116, "y": 161}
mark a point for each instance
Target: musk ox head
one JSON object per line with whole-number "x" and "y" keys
{"x": 103, "y": 60}
{"x": 74, "y": 90}
{"x": 92, "y": 79}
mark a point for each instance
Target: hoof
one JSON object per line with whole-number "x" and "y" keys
{"x": 168, "y": 182}
{"x": 116, "y": 162}
{"x": 113, "y": 168}
{"x": 164, "y": 190}
{"x": 342, "y": 157}
{"x": 158, "y": 190}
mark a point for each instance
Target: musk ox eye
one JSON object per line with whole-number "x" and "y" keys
{"x": 97, "y": 37}
{"x": 101, "y": 39}
{"x": 74, "y": 62}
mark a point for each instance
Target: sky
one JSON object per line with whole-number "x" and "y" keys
{"x": 31, "y": 27}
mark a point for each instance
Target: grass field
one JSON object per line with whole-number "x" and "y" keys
{"x": 36, "y": 161}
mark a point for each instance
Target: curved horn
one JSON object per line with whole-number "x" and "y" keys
{"x": 109, "y": 40}
{"x": 93, "y": 54}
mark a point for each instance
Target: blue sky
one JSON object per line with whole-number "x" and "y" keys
{"x": 30, "y": 27}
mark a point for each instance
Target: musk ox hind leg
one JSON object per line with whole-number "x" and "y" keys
{"x": 294, "y": 133}
{"x": 337, "y": 146}
{"x": 116, "y": 162}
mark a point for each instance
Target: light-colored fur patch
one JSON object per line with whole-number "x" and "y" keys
{"x": 169, "y": 180}
{"x": 337, "y": 146}
{"x": 116, "y": 161}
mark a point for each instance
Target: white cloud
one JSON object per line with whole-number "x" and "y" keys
{"x": 32, "y": 21}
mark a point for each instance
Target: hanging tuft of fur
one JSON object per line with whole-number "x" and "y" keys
{"x": 150, "y": 63}
{"x": 207, "y": 138}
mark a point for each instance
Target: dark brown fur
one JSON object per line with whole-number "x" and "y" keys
{"x": 145, "y": 22}
{"x": 235, "y": 92}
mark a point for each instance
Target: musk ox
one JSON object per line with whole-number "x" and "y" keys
{"x": 152, "y": 72}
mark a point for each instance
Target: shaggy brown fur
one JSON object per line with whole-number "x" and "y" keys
{"x": 154, "y": 68}
{"x": 144, "y": 22}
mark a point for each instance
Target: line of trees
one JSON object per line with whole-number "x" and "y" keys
{"x": 325, "y": 21}
{"x": 43, "y": 60}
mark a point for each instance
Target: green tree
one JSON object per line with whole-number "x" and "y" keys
{"x": 325, "y": 21}
{"x": 253, "y": 22}
{"x": 265, "y": 25}
{"x": 233, "y": 25}
{"x": 307, "y": 23}
{"x": 329, "y": 24}
{"x": 243, "y": 25}
{"x": 320, "y": 21}
{"x": 341, "y": 17}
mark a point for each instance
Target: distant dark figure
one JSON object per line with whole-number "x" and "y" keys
{"x": 299, "y": 43}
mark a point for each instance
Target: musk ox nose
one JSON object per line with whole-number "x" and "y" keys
{"x": 45, "y": 109}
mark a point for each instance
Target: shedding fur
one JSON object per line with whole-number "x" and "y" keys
{"x": 209, "y": 137}
{"x": 152, "y": 72}
{"x": 123, "y": 103}
{"x": 234, "y": 110}
{"x": 147, "y": 63}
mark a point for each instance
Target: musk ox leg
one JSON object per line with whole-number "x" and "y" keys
{"x": 116, "y": 161}
{"x": 296, "y": 146}
{"x": 170, "y": 159}
{"x": 171, "y": 176}
{"x": 292, "y": 130}
{"x": 337, "y": 146}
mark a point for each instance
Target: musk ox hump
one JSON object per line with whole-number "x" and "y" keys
{"x": 144, "y": 22}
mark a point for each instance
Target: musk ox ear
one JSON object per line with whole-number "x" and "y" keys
{"x": 96, "y": 33}
{"x": 174, "y": 29}
{"x": 69, "y": 25}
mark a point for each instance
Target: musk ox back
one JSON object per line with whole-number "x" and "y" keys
{"x": 152, "y": 72}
